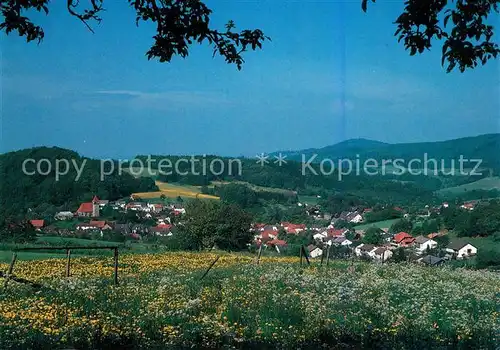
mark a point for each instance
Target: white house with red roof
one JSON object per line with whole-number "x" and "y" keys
{"x": 162, "y": 230}
{"x": 100, "y": 224}
{"x": 37, "y": 224}
{"x": 468, "y": 206}
{"x": 277, "y": 244}
{"x": 403, "y": 239}
{"x": 266, "y": 236}
{"x": 294, "y": 228}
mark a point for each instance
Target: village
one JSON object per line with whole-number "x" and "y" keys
{"x": 143, "y": 220}
{"x": 418, "y": 249}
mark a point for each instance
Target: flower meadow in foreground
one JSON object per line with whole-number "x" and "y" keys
{"x": 161, "y": 302}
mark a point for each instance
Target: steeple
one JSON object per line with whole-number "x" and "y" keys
{"x": 95, "y": 207}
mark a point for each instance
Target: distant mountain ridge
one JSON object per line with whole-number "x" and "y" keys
{"x": 485, "y": 147}
{"x": 342, "y": 149}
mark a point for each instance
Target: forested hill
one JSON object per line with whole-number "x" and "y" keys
{"x": 485, "y": 147}
{"x": 19, "y": 191}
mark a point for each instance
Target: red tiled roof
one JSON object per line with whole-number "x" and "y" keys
{"x": 292, "y": 228}
{"x": 37, "y": 223}
{"x": 85, "y": 208}
{"x": 402, "y": 236}
{"x": 165, "y": 226}
{"x": 398, "y": 209}
{"x": 277, "y": 242}
{"x": 95, "y": 199}
{"x": 96, "y": 223}
{"x": 268, "y": 235}
{"x": 162, "y": 228}
{"x": 331, "y": 232}
{"x": 85, "y": 224}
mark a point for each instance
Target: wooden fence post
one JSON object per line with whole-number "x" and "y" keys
{"x": 322, "y": 257}
{"x": 328, "y": 255}
{"x": 305, "y": 254}
{"x": 301, "y": 255}
{"x": 260, "y": 252}
{"x": 116, "y": 266}
{"x": 210, "y": 267}
{"x": 11, "y": 268}
{"x": 68, "y": 262}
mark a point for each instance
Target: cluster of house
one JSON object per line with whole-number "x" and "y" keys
{"x": 268, "y": 235}
{"x": 420, "y": 245}
{"x": 354, "y": 217}
{"x": 427, "y": 210}
{"x": 324, "y": 238}
{"x": 92, "y": 209}
{"x": 159, "y": 212}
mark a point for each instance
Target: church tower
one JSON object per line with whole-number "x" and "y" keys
{"x": 95, "y": 207}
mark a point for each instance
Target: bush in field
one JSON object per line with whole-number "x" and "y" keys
{"x": 488, "y": 258}
{"x": 211, "y": 224}
{"x": 402, "y": 225}
{"x": 16, "y": 231}
{"x": 373, "y": 235}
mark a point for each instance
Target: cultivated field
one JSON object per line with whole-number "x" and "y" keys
{"x": 174, "y": 191}
{"x": 161, "y": 302}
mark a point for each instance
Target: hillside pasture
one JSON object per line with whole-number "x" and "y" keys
{"x": 487, "y": 183}
{"x": 255, "y": 187}
{"x": 309, "y": 200}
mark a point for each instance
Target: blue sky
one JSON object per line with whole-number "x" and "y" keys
{"x": 330, "y": 73}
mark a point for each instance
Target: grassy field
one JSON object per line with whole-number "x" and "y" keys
{"x": 162, "y": 303}
{"x": 6, "y": 256}
{"x": 379, "y": 224}
{"x": 310, "y": 200}
{"x": 479, "y": 242}
{"x": 255, "y": 187}
{"x": 484, "y": 243}
{"x": 487, "y": 183}
{"x": 174, "y": 191}
{"x": 128, "y": 247}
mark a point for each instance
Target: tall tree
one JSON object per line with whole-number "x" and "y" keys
{"x": 373, "y": 235}
{"x": 179, "y": 23}
{"x": 211, "y": 224}
{"x": 462, "y": 24}
{"x": 402, "y": 225}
